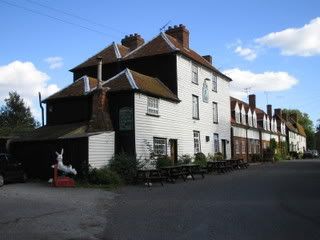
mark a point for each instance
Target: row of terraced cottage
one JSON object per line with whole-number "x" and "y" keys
{"x": 158, "y": 95}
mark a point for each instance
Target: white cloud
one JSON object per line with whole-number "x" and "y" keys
{"x": 54, "y": 62}
{"x": 247, "y": 53}
{"x": 256, "y": 82}
{"x": 27, "y": 80}
{"x": 302, "y": 41}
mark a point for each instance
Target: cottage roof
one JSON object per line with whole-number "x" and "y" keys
{"x": 110, "y": 54}
{"x": 129, "y": 80}
{"x": 161, "y": 44}
{"x": 80, "y": 87}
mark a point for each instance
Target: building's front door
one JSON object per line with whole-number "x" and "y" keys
{"x": 174, "y": 150}
{"x": 224, "y": 148}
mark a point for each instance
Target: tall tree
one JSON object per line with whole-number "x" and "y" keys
{"x": 15, "y": 116}
{"x": 306, "y": 122}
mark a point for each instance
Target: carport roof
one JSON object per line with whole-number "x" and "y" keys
{"x": 64, "y": 131}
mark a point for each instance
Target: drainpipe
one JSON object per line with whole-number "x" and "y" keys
{"x": 99, "y": 74}
{"x": 42, "y": 111}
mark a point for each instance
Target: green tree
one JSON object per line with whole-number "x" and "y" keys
{"x": 15, "y": 116}
{"x": 305, "y": 121}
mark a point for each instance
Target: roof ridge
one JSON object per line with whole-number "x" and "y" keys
{"x": 116, "y": 50}
{"x": 164, "y": 36}
{"x": 69, "y": 85}
{"x": 131, "y": 79}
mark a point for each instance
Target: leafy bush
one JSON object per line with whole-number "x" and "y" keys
{"x": 256, "y": 158}
{"x": 163, "y": 161}
{"x": 200, "y": 159}
{"x": 104, "y": 176}
{"x": 268, "y": 155}
{"x": 278, "y": 157}
{"x": 216, "y": 157}
{"x": 185, "y": 159}
{"x": 126, "y": 166}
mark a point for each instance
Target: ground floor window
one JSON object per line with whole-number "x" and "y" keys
{"x": 236, "y": 146}
{"x": 243, "y": 147}
{"x": 216, "y": 142}
{"x": 196, "y": 139}
{"x": 250, "y": 144}
{"x": 160, "y": 146}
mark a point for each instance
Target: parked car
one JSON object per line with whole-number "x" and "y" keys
{"x": 311, "y": 154}
{"x": 10, "y": 170}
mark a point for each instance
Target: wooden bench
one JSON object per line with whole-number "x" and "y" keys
{"x": 150, "y": 175}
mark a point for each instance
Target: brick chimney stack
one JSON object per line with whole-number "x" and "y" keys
{"x": 132, "y": 41}
{"x": 269, "y": 110}
{"x": 294, "y": 117}
{"x": 278, "y": 112}
{"x": 208, "y": 58}
{"x": 181, "y": 33}
{"x": 252, "y": 101}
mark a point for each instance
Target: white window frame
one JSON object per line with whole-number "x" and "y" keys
{"x": 195, "y": 73}
{"x": 214, "y": 83}
{"x": 195, "y": 107}
{"x": 159, "y": 146}
{"x": 196, "y": 141}
{"x": 215, "y": 112}
{"x": 153, "y": 106}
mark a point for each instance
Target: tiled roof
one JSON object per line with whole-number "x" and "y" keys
{"x": 80, "y": 87}
{"x": 161, "y": 44}
{"x": 110, "y": 54}
{"x": 129, "y": 80}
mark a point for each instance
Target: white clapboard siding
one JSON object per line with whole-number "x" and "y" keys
{"x": 175, "y": 120}
{"x": 101, "y": 149}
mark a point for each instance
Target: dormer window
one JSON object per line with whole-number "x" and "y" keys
{"x": 195, "y": 73}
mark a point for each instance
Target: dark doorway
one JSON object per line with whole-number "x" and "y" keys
{"x": 174, "y": 150}
{"x": 224, "y": 148}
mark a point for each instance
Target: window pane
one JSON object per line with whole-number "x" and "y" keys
{"x": 216, "y": 143}
{"x": 215, "y": 112}
{"x": 194, "y": 73}
{"x": 214, "y": 83}
{"x": 196, "y": 138}
{"x": 153, "y": 106}
{"x": 195, "y": 107}
{"x": 160, "y": 146}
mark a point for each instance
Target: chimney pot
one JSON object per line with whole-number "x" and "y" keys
{"x": 252, "y": 101}
{"x": 132, "y": 41}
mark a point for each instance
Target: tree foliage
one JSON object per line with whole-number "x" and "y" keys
{"x": 305, "y": 121}
{"x": 15, "y": 116}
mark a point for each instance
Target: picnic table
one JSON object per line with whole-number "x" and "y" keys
{"x": 150, "y": 175}
{"x": 172, "y": 173}
{"x": 219, "y": 166}
{"x": 193, "y": 169}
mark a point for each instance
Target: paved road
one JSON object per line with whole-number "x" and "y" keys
{"x": 278, "y": 202}
{"x": 34, "y": 211}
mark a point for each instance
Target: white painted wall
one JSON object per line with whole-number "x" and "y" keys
{"x": 101, "y": 149}
{"x": 253, "y": 134}
{"x": 298, "y": 142}
{"x": 175, "y": 119}
{"x": 239, "y": 132}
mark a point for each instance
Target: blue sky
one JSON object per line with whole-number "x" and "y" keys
{"x": 281, "y": 68}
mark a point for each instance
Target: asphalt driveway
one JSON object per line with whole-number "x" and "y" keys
{"x": 272, "y": 201}
{"x": 33, "y": 211}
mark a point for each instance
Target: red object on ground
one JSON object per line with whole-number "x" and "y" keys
{"x": 61, "y": 181}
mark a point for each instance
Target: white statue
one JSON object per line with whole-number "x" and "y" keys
{"x": 62, "y": 167}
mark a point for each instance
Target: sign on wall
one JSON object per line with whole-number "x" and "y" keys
{"x": 126, "y": 119}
